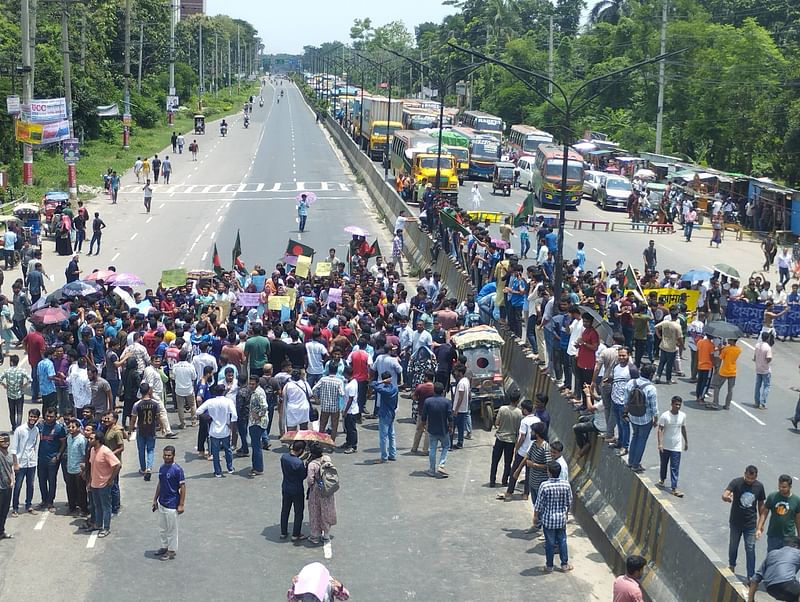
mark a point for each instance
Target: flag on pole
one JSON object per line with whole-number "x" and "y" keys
{"x": 216, "y": 263}
{"x": 630, "y": 283}
{"x": 297, "y": 248}
{"x": 449, "y": 218}
{"x": 374, "y": 250}
{"x": 525, "y": 209}
{"x": 236, "y": 260}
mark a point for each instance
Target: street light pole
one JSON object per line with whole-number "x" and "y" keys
{"x": 566, "y": 112}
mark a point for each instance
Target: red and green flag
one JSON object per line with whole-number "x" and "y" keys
{"x": 296, "y": 249}
{"x": 216, "y": 263}
{"x": 525, "y": 209}
{"x": 237, "y": 262}
{"x": 374, "y": 250}
{"x": 630, "y": 283}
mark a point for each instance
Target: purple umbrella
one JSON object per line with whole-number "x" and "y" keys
{"x": 311, "y": 198}
{"x": 500, "y": 244}
{"x": 125, "y": 279}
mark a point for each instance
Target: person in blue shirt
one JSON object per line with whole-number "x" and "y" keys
{"x": 517, "y": 291}
{"x": 386, "y": 391}
{"x": 580, "y": 255}
{"x": 46, "y": 371}
{"x": 292, "y": 490}
{"x": 551, "y": 240}
{"x": 52, "y": 440}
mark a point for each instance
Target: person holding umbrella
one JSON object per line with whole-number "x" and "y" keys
{"x": 728, "y": 354}
{"x": 302, "y": 211}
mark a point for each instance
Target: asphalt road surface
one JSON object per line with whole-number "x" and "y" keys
{"x": 401, "y": 535}
{"x": 721, "y": 443}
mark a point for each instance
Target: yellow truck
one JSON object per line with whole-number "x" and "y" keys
{"x": 423, "y": 165}
{"x": 381, "y": 120}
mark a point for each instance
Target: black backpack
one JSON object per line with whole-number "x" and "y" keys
{"x": 637, "y": 402}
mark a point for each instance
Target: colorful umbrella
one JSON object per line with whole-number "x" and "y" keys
{"x": 500, "y": 243}
{"x": 356, "y": 231}
{"x": 50, "y": 315}
{"x": 125, "y": 279}
{"x": 307, "y": 436}
{"x": 81, "y": 288}
{"x": 311, "y": 198}
{"x": 696, "y": 275}
{"x": 103, "y": 275}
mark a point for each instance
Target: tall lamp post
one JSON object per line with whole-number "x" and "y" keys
{"x": 443, "y": 82}
{"x": 571, "y": 106}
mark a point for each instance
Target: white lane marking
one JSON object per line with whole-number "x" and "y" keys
{"x": 327, "y": 550}
{"x": 204, "y": 256}
{"x": 220, "y": 218}
{"x": 197, "y": 240}
{"x": 92, "y": 540}
{"x": 40, "y": 525}
{"x": 664, "y": 247}
{"x": 568, "y": 233}
{"x": 599, "y": 251}
{"x": 206, "y": 189}
{"x": 748, "y": 413}
{"x": 241, "y": 186}
{"x": 743, "y": 342}
{"x": 115, "y": 257}
{"x": 213, "y": 234}
{"x": 149, "y": 219}
{"x": 134, "y": 235}
{"x": 161, "y": 206}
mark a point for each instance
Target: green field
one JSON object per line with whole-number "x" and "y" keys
{"x": 50, "y": 171}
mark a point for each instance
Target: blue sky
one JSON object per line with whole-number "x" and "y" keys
{"x": 287, "y": 26}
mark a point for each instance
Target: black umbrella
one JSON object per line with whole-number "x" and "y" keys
{"x": 723, "y": 330}
{"x": 603, "y": 328}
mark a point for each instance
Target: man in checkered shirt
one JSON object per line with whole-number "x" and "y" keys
{"x": 551, "y": 508}
{"x": 328, "y": 391}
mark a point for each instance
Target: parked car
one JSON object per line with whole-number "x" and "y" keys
{"x": 614, "y": 192}
{"x": 591, "y": 183}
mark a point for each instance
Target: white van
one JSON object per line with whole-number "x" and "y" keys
{"x": 525, "y": 166}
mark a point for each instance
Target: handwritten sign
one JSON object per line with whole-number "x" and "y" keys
{"x": 291, "y": 294}
{"x": 671, "y": 296}
{"x": 323, "y": 269}
{"x": 173, "y": 278}
{"x": 248, "y": 299}
{"x": 303, "y": 265}
{"x": 258, "y": 281}
{"x": 334, "y": 295}
{"x": 276, "y": 302}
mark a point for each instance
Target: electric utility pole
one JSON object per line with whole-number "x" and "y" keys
{"x": 550, "y": 67}
{"x": 72, "y": 183}
{"x": 126, "y": 97}
{"x": 661, "y": 79}
{"x": 27, "y": 81}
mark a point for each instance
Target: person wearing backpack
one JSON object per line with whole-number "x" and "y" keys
{"x": 641, "y": 410}
{"x": 323, "y": 482}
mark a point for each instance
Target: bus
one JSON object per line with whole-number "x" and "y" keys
{"x": 484, "y": 152}
{"x": 547, "y": 168}
{"x": 483, "y": 123}
{"x": 419, "y": 119}
{"x": 525, "y": 139}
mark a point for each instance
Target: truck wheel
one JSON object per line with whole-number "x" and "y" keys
{"x": 488, "y": 416}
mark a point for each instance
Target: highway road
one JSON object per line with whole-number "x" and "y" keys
{"x": 401, "y": 535}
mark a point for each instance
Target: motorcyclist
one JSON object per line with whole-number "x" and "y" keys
{"x": 246, "y": 121}
{"x": 223, "y": 127}
{"x": 281, "y": 93}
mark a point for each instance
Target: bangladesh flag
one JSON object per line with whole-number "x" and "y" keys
{"x": 236, "y": 260}
{"x": 525, "y": 209}
{"x": 374, "y": 250}
{"x": 630, "y": 283}
{"x": 215, "y": 261}
{"x": 449, "y": 218}
{"x": 297, "y": 248}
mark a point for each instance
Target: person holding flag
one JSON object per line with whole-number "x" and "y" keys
{"x": 236, "y": 259}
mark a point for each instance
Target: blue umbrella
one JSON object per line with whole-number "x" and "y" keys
{"x": 696, "y": 275}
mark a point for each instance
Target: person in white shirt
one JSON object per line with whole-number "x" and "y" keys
{"x": 350, "y": 412}
{"x": 79, "y": 385}
{"x": 152, "y": 376}
{"x": 222, "y": 412}
{"x": 24, "y": 451}
{"x": 296, "y": 402}
{"x": 784, "y": 262}
{"x": 694, "y": 333}
{"x": 672, "y": 440}
{"x": 521, "y": 448}
{"x": 557, "y": 452}
{"x": 184, "y": 377}
{"x": 203, "y": 359}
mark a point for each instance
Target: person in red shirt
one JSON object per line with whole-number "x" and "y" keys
{"x": 149, "y": 340}
{"x": 587, "y": 345}
{"x": 168, "y": 305}
{"x": 34, "y": 346}
{"x": 422, "y": 391}
{"x": 361, "y": 362}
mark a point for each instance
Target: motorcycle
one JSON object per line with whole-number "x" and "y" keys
{"x": 261, "y": 103}
{"x": 223, "y": 129}
{"x": 246, "y": 123}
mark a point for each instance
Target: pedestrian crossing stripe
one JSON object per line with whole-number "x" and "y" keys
{"x": 244, "y": 187}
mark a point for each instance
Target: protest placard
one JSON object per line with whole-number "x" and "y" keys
{"x": 303, "y": 265}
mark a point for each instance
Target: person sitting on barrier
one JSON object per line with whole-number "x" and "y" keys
{"x": 593, "y": 421}
{"x": 778, "y": 572}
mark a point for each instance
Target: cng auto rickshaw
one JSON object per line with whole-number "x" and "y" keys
{"x": 480, "y": 347}
{"x": 199, "y": 124}
{"x": 503, "y": 177}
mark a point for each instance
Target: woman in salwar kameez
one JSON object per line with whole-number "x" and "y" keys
{"x": 321, "y": 509}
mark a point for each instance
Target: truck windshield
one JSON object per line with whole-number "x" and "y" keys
{"x": 430, "y": 163}
{"x": 382, "y": 129}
